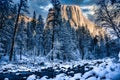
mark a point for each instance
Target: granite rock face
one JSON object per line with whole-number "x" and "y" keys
{"x": 71, "y": 36}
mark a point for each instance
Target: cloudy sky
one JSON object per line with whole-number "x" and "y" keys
{"x": 42, "y": 6}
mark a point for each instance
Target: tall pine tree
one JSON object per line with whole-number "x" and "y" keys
{"x": 22, "y": 7}
{"x": 39, "y": 35}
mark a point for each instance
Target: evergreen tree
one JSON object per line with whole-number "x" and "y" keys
{"x": 83, "y": 37}
{"x": 31, "y": 33}
{"x": 39, "y": 35}
{"x": 47, "y": 40}
{"x": 1, "y": 49}
{"x": 6, "y": 7}
{"x": 33, "y": 22}
{"x": 20, "y": 38}
{"x": 56, "y": 3}
{"x": 29, "y": 37}
{"x": 107, "y": 45}
{"x": 21, "y": 8}
{"x": 51, "y": 32}
{"x": 6, "y": 33}
{"x": 69, "y": 43}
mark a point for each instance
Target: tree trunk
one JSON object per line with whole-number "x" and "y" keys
{"x": 20, "y": 53}
{"x": 15, "y": 31}
{"x": 2, "y": 21}
{"x": 82, "y": 50}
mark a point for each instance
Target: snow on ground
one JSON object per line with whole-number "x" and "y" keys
{"x": 31, "y": 77}
{"x": 26, "y": 64}
{"x": 103, "y": 69}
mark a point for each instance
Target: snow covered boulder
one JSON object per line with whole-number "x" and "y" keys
{"x": 96, "y": 71}
{"x": 102, "y": 73}
{"x": 92, "y": 78}
{"x": 88, "y": 74}
{"x": 61, "y": 77}
{"x": 113, "y": 75}
{"x": 119, "y": 56}
{"x": 6, "y": 79}
{"x": 77, "y": 76}
{"x": 32, "y": 77}
{"x": 44, "y": 78}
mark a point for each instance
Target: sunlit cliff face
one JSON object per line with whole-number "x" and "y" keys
{"x": 26, "y": 19}
{"x": 74, "y": 15}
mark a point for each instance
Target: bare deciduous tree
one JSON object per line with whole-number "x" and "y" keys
{"x": 107, "y": 14}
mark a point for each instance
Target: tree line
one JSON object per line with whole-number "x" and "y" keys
{"x": 16, "y": 35}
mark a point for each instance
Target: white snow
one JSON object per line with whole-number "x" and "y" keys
{"x": 77, "y": 76}
{"x": 113, "y": 75}
{"x": 6, "y": 79}
{"x": 32, "y": 77}
{"x": 92, "y": 78}
{"x": 106, "y": 69}
{"x": 119, "y": 56}
{"x": 111, "y": 71}
{"x": 102, "y": 73}
{"x": 43, "y": 78}
{"x": 61, "y": 77}
{"x": 87, "y": 74}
